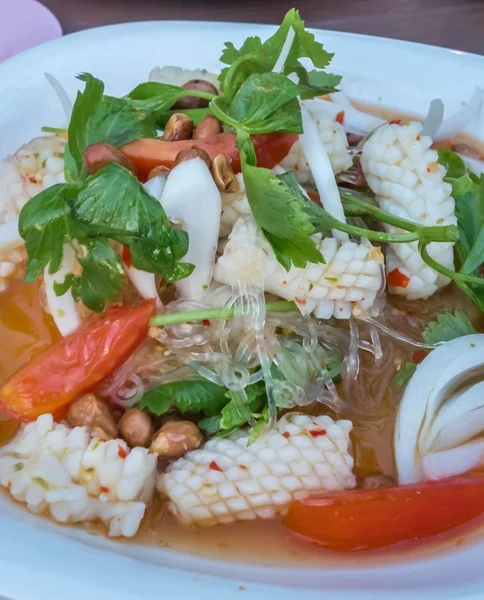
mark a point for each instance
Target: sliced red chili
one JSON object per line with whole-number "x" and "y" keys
{"x": 317, "y": 432}
{"x": 398, "y": 279}
{"x": 122, "y": 452}
{"x": 340, "y": 117}
{"x": 214, "y": 466}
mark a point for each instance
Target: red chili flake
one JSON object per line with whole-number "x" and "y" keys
{"x": 286, "y": 434}
{"x": 398, "y": 279}
{"x": 432, "y": 167}
{"x": 418, "y": 138}
{"x": 315, "y": 197}
{"x": 126, "y": 255}
{"x": 284, "y": 282}
{"x": 244, "y": 468}
{"x": 317, "y": 432}
{"x": 395, "y": 122}
{"x": 9, "y": 485}
{"x": 206, "y": 322}
{"x": 341, "y": 310}
{"x": 214, "y": 466}
{"x": 241, "y": 588}
{"x": 301, "y": 301}
{"x": 340, "y": 117}
{"x": 104, "y": 489}
{"x": 122, "y": 452}
{"x": 419, "y": 355}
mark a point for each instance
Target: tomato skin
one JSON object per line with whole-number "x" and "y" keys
{"x": 147, "y": 154}
{"x": 367, "y": 519}
{"x": 77, "y": 363}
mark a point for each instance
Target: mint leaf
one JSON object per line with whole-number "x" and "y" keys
{"x": 447, "y": 327}
{"x": 264, "y": 103}
{"x": 101, "y": 277}
{"x": 191, "y": 396}
{"x": 98, "y": 118}
{"x": 159, "y": 97}
{"x": 45, "y": 224}
{"x": 281, "y": 217}
{"x": 114, "y": 204}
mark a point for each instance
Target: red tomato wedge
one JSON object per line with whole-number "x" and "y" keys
{"x": 147, "y": 154}
{"x": 77, "y": 363}
{"x": 366, "y": 519}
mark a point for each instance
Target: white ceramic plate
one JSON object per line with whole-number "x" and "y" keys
{"x": 40, "y": 561}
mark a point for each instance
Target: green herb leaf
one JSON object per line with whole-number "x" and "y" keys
{"x": 210, "y": 425}
{"x": 98, "y": 118}
{"x": 257, "y": 57}
{"x": 101, "y": 277}
{"x": 239, "y": 410}
{"x": 191, "y": 396}
{"x": 316, "y": 83}
{"x": 281, "y": 217}
{"x": 115, "y": 205}
{"x": 403, "y": 376}
{"x": 453, "y": 163}
{"x": 46, "y": 225}
{"x": 265, "y": 103}
{"x": 447, "y": 327}
{"x": 159, "y": 97}
{"x": 259, "y": 426}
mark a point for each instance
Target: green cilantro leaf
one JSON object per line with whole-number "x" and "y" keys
{"x": 101, "y": 277}
{"x": 239, "y": 410}
{"x": 453, "y": 163}
{"x": 191, "y": 396}
{"x": 259, "y": 426}
{"x": 115, "y": 205}
{"x": 281, "y": 217}
{"x": 46, "y": 225}
{"x": 99, "y": 118}
{"x": 257, "y": 57}
{"x": 447, "y": 327}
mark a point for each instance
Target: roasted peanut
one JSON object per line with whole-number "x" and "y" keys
{"x": 192, "y": 152}
{"x": 159, "y": 170}
{"x": 200, "y": 85}
{"x": 91, "y": 411}
{"x": 207, "y": 127}
{"x": 136, "y": 428}
{"x": 176, "y": 438}
{"x": 97, "y": 156}
{"x": 376, "y": 480}
{"x": 224, "y": 175}
{"x": 178, "y": 127}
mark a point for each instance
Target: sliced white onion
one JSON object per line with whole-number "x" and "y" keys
{"x": 341, "y": 98}
{"x": 62, "y": 95}
{"x": 355, "y": 121}
{"x": 9, "y": 235}
{"x": 418, "y": 424}
{"x": 63, "y": 309}
{"x": 155, "y": 187}
{"x": 286, "y": 48}
{"x": 144, "y": 283}
{"x": 434, "y": 118}
{"x": 192, "y": 198}
{"x": 321, "y": 169}
{"x": 456, "y": 124}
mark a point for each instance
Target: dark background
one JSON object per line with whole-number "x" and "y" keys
{"x": 452, "y": 23}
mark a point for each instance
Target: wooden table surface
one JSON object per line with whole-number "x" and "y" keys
{"x": 452, "y": 23}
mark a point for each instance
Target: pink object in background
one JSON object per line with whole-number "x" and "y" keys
{"x": 24, "y": 24}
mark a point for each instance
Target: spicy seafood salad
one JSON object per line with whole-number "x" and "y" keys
{"x": 239, "y": 296}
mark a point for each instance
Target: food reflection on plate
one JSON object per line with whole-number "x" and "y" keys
{"x": 243, "y": 296}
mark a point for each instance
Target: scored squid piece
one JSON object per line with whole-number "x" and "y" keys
{"x": 403, "y": 172}
{"x": 228, "y": 480}
{"x": 348, "y": 283}
{"x": 333, "y": 137}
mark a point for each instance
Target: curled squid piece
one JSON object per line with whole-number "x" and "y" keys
{"x": 333, "y": 137}
{"x": 403, "y": 172}
{"x": 347, "y": 284}
{"x": 230, "y": 479}
{"x": 440, "y": 421}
